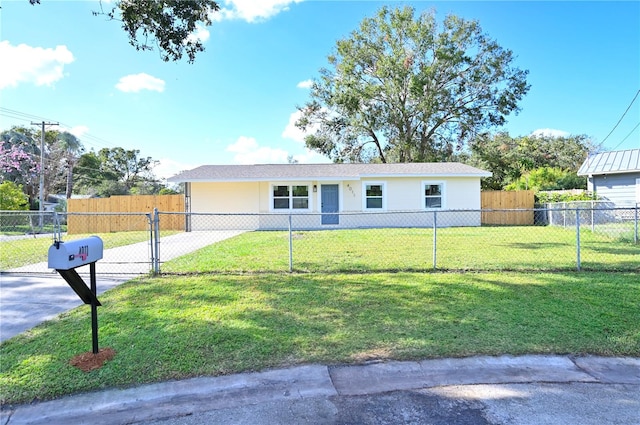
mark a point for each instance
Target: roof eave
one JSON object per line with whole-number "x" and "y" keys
{"x": 602, "y": 173}
{"x": 177, "y": 179}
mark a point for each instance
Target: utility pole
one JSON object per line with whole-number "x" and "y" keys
{"x": 41, "y": 196}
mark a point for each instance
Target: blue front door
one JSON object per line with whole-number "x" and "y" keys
{"x": 329, "y": 203}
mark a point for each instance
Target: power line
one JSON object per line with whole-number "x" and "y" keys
{"x": 626, "y": 137}
{"x": 86, "y": 138}
{"x": 625, "y": 113}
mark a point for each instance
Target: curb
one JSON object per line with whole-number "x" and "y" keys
{"x": 181, "y": 398}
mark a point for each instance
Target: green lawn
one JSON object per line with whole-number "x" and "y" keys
{"x": 177, "y": 327}
{"x": 524, "y": 248}
{"x": 356, "y": 295}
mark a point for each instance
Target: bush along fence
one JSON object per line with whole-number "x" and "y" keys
{"x": 590, "y": 239}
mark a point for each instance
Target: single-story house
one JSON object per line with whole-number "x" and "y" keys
{"x": 332, "y": 195}
{"x": 614, "y": 176}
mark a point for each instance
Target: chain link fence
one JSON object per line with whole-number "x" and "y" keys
{"x": 414, "y": 241}
{"x": 590, "y": 237}
{"x": 24, "y": 246}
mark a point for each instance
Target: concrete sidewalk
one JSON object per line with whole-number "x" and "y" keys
{"x": 478, "y": 390}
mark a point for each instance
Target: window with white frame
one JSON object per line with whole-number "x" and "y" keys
{"x": 374, "y": 194}
{"x": 433, "y": 193}
{"x": 290, "y": 197}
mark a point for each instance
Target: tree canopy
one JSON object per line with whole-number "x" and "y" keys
{"x": 509, "y": 159}
{"x": 405, "y": 88}
{"x": 167, "y": 24}
{"x": 20, "y": 160}
{"x": 68, "y": 169}
{"x": 115, "y": 171}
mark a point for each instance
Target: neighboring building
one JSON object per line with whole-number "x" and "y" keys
{"x": 614, "y": 176}
{"x": 331, "y": 195}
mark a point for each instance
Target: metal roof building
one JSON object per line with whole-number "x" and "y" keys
{"x": 614, "y": 176}
{"x": 613, "y": 162}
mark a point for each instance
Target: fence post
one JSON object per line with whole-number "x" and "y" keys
{"x": 435, "y": 238}
{"x": 152, "y": 255}
{"x": 593, "y": 225}
{"x": 57, "y": 234}
{"x": 635, "y": 233}
{"x": 578, "y": 238}
{"x": 156, "y": 228}
{"x": 290, "y": 247}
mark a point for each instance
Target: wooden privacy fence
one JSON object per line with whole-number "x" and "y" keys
{"x": 508, "y": 200}
{"x": 123, "y": 213}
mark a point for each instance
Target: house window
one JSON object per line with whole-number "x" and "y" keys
{"x": 374, "y": 196}
{"x": 433, "y": 193}
{"x": 295, "y": 197}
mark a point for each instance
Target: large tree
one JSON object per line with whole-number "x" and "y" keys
{"x": 509, "y": 158}
{"x": 115, "y": 171}
{"x": 167, "y": 24}
{"x": 64, "y": 151}
{"x": 405, "y": 88}
{"x": 20, "y": 160}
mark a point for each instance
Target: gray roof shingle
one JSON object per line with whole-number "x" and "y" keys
{"x": 266, "y": 172}
{"x": 614, "y": 162}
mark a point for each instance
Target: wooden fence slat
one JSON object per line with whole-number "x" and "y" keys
{"x": 508, "y": 200}
{"x": 128, "y": 213}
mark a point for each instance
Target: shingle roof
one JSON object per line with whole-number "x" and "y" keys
{"x": 266, "y": 172}
{"x": 614, "y": 162}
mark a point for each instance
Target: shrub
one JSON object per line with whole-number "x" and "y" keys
{"x": 12, "y": 198}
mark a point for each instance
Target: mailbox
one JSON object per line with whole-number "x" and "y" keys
{"x": 65, "y": 257}
{"x": 76, "y": 253}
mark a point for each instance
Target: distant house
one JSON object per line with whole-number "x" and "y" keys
{"x": 332, "y": 195}
{"x": 614, "y": 176}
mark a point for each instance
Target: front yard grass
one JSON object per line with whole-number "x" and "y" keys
{"x": 521, "y": 248}
{"x": 175, "y": 327}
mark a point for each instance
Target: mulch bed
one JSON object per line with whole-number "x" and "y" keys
{"x": 89, "y": 361}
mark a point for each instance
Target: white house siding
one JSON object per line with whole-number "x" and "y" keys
{"x": 404, "y": 196}
{"x": 617, "y": 188}
{"x": 225, "y": 198}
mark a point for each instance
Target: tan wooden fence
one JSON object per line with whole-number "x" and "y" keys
{"x": 508, "y": 200}
{"x": 123, "y": 213}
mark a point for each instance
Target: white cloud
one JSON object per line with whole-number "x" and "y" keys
{"x": 291, "y": 131}
{"x": 36, "y": 65}
{"x": 311, "y": 157}
{"x": 252, "y": 10}
{"x": 306, "y": 84}
{"x": 550, "y": 132}
{"x": 294, "y": 133}
{"x": 201, "y": 33}
{"x": 167, "y": 167}
{"x": 247, "y": 151}
{"x": 136, "y": 82}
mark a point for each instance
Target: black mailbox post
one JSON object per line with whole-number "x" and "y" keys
{"x": 65, "y": 257}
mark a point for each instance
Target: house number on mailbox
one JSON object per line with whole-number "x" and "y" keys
{"x": 83, "y": 253}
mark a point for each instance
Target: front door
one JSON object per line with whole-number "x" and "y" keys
{"x": 329, "y": 203}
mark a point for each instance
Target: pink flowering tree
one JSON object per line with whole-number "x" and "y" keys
{"x": 19, "y": 166}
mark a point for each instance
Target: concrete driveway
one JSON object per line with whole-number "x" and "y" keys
{"x": 31, "y": 294}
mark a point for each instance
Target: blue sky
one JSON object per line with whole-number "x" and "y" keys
{"x": 237, "y": 102}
